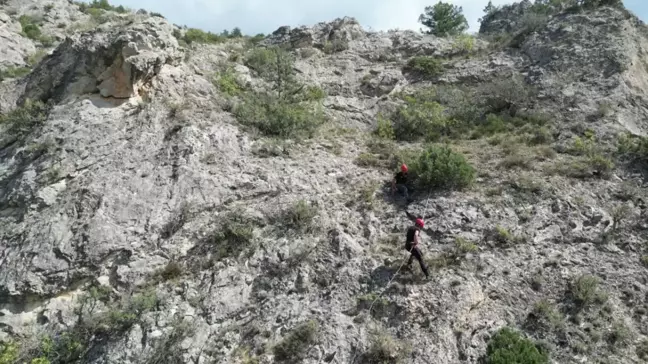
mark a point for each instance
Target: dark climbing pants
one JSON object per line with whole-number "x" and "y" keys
{"x": 416, "y": 253}
{"x": 402, "y": 189}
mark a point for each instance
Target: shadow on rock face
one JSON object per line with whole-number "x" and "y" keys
{"x": 106, "y": 103}
{"x": 381, "y": 276}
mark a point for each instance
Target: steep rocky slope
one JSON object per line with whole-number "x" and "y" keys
{"x": 144, "y": 219}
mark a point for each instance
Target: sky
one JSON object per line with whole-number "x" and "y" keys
{"x": 265, "y": 16}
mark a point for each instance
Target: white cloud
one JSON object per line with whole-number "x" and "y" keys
{"x": 264, "y": 16}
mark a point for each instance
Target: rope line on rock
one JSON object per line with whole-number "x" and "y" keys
{"x": 402, "y": 264}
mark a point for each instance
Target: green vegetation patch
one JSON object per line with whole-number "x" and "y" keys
{"x": 288, "y": 109}
{"x": 508, "y": 346}
{"x": 296, "y": 343}
{"x": 440, "y": 168}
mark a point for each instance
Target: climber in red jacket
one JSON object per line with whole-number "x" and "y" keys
{"x": 400, "y": 182}
{"x": 411, "y": 244}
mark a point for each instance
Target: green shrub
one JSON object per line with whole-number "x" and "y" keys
{"x": 46, "y": 40}
{"x": 24, "y": 119}
{"x": 171, "y": 271}
{"x": 644, "y": 260}
{"x": 596, "y": 165}
{"x": 30, "y": 27}
{"x": 464, "y": 43}
{"x": 272, "y": 64}
{"x": 546, "y": 316}
{"x": 228, "y": 83}
{"x": 234, "y": 235}
{"x": 89, "y": 300}
{"x": 335, "y": 46}
{"x": 508, "y": 346}
{"x": 367, "y": 160}
{"x": 66, "y": 348}
{"x": 300, "y": 216}
{"x": 619, "y": 336}
{"x": 585, "y": 291}
{"x": 504, "y": 94}
{"x": 289, "y": 109}
{"x": 199, "y": 36}
{"x": 505, "y": 237}
{"x": 421, "y": 119}
{"x": 642, "y": 350}
{"x": 462, "y": 247}
{"x": 537, "y": 136}
{"x": 36, "y": 57}
{"x": 281, "y": 118}
{"x": 439, "y": 167}
{"x": 600, "y": 165}
{"x": 14, "y": 72}
{"x": 40, "y": 360}
{"x": 293, "y": 347}
{"x": 633, "y": 147}
{"x": 8, "y": 353}
{"x": 385, "y": 129}
{"x": 592, "y": 161}
{"x": 104, "y": 5}
{"x": 314, "y": 93}
{"x": 424, "y": 66}
{"x": 529, "y": 23}
{"x": 127, "y": 313}
{"x": 367, "y": 194}
{"x": 461, "y": 104}
{"x": 494, "y": 124}
{"x": 384, "y": 349}
{"x": 254, "y": 40}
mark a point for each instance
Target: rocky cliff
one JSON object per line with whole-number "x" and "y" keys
{"x": 173, "y": 196}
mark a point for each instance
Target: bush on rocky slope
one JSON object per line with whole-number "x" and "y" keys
{"x": 8, "y": 353}
{"x": 228, "y": 83}
{"x": 274, "y": 116}
{"x": 13, "y": 72}
{"x": 102, "y": 5}
{"x": 287, "y": 109}
{"x": 424, "y": 66}
{"x": 437, "y": 113}
{"x": 421, "y": 118}
{"x": 294, "y": 345}
{"x": 24, "y": 119}
{"x": 634, "y": 148}
{"x": 193, "y": 35}
{"x": 233, "y": 236}
{"x": 384, "y": 349}
{"x": 31, "y": 29}
{"x": 99, "y": 319}
{"x": 439, "y": 167}
{"x": 508, "y": 346}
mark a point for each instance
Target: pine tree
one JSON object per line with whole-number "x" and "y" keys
{"x": 444, "y": 19}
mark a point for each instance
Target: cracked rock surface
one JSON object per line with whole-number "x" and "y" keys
{"x": 137, "y": 161}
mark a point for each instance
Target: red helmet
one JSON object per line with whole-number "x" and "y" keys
{"x": 420, "y": 223}
{"x": 404, "y": 167}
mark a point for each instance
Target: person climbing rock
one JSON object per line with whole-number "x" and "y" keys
{"x": 411, "y": 244}
{"x": 400, "y": 183}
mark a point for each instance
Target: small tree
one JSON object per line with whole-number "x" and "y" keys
{"x": 236, "y": 33}
{"x": 508, "y": 346}
{"x": 489, "y": 10}
{"x": 444, "y": 19}
{"x": 441, "y": 168}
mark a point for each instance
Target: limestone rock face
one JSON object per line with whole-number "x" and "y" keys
{"x": 118, "y": 64}
{"x": 14, "y": 47}
{"x": 141, "y": 218}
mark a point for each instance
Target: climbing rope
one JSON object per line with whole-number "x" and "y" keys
{"x": 402, "y": 264}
